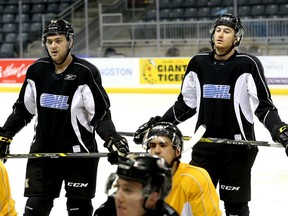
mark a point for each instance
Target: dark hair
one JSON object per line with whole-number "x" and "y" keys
{"x": 231, "y": 21}
{"x": 166, "y": 129}
{"x": 56, "y": 27}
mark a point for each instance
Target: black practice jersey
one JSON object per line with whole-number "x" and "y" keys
{"x": 225, "y": 96}
{"x": 67, "y": 107}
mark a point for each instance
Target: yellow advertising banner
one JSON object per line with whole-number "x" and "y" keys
{"x": 162, "y": 70}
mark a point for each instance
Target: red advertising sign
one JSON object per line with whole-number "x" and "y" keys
{"x": 14, "y": 70}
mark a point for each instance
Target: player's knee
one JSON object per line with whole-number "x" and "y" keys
{"x": 236, "y": 208}
{"x": 79, "y": 207}
{"x": 36, "y": 206}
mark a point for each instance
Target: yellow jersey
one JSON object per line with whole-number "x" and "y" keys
{"x": 193, "y": 193}
{"x": 7, "y": 204}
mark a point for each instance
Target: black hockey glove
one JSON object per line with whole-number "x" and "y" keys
{"x": 280, "y": 134}
{"x": 143, "y": 129}
{"x": 5, "y": 141}
{"x": 118, "y": 148}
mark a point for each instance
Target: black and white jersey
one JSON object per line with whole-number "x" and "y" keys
{"x": 225, "y": 96}
{"x": 67, "y": 106}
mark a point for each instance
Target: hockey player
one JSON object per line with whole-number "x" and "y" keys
{"x": 142, "y": 183}
{"x": 193, "y": 192}
{"x": 7, "y": 204}
{"x": 66, "y": 96}
{"x": 221, "y": 86}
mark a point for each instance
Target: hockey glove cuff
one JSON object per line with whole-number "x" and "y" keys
{"x": 280, "y": 134}
{"x": 5, "y": 141}
{"x": 143, "y": 129}
{"x": 118, "y": 147}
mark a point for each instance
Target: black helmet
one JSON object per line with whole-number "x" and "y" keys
{"x": 150, "y": 170}
{"x": 166, "y": 129}
{"x": 232, "y": 22}
{"x": 56, "y": 27}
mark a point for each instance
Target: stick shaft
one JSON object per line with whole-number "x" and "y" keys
{"x": 57, "y": 155}
{"x": 225, "y": 141}
{"x": 61, "y": 155}
{"x": 240, "y": 142}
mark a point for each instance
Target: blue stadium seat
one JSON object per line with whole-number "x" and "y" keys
{"x": 11, "y": 37}
{"x": 177, "y": 3}
{"x": 254, "y": 2}
{"x": 271, "y": 10}
{"x": 24, "y": 17}
{"x": 164, "y": 4}
{"x": 190, "y": 3}
{"x": 204, "y": 12}
{"x": 9, "y": 27}
{"x": 52, "y": 8}
{"x": 244, "y": 11}
{"x": 217, "y": 11}
{"x": 7, "y": 50}
{"x": 26, "y": 8}
{"x": 38, "y": 8}
{"x": 268, "y": 2}
{"x": 215, "y": 3}
{"x": 8, "y": 17}
{"x": 11, "y": 8}
{"x": 151, "y": 15}
{"x": 283, "y": 9}
{"x": 203, "y": 3}
{"x": 26, "y": 27}
{"x": 258, "y": 10}
{"x": 164, "y": 14}
{"x": 190, "y": 13}
{"x": 36, "y": 17}
{"x": 243, "y": 2}
{"x": 177, "y": 14}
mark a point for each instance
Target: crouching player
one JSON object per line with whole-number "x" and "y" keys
{"x": 140, "y": 184}
{"x": 193, "y": 192}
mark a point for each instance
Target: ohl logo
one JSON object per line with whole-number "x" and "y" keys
{"x": 216, "y": 91}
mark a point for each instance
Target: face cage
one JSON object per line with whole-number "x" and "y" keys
{"x": 146, "y": 142}
{"x": 176, "y": 140}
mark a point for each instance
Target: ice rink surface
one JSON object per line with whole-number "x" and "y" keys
{"x": 269, "y": 175}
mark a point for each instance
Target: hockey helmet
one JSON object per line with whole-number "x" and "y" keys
{"x": 150, "y": 170}
{"x": 168, "y": 130}
{"x": 232, "y": 22}
{"x": 57, "y": 27}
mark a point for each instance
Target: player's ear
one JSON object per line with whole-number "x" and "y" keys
{"x": 177, "y": 152}
{"x": 152, "y": 199}
{"x": 70, "y": 43}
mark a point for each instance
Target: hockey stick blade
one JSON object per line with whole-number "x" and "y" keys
{"x": 240, "y": 142}
{"x": 195, "y": 138}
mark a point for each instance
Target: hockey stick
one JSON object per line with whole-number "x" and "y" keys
{"x": 60, "y": 155}
{"x": 195, "y": 138}
{"x": 225, "y": 141}
{"x": 191, "y": 140}
{"x": 240, "y": 142}
{"x": 57, "y": 155}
